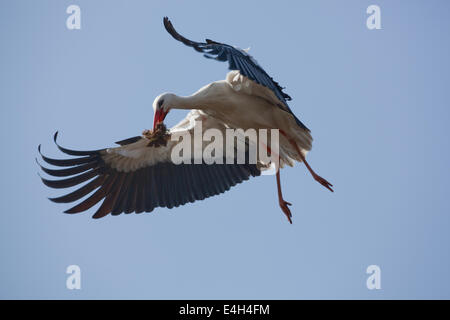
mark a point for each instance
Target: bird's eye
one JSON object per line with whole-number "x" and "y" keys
{"x": 160, "y": 103}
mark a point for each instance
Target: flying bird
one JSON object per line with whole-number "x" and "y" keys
{"x": 139, "y": 174}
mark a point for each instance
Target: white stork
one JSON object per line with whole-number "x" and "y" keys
{"x": 139, "y": 175}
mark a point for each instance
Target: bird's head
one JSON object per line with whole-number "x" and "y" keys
{"x": 161, "y": 107}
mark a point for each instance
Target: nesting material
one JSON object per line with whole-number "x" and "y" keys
{"x": 157, "y": 137}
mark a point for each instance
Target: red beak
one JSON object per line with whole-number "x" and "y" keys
{"x": 160, "y": 115}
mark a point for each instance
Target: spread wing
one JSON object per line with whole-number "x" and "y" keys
{"x": 238, "y": 59}
{"x": 135, "y": 177}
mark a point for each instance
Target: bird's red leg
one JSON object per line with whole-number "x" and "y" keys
{"x": 283, "y": 204}
{"x": 316, "y": 177}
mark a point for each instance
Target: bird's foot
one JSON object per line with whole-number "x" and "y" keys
{"x": 323, "y": 182}
{"x": 284, "y": 207}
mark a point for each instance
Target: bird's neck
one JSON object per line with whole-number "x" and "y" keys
{"x": 187, "y": 103}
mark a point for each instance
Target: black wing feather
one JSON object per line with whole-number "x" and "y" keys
{"x": 237, "y": 60}
{"x": 163, "y": 184}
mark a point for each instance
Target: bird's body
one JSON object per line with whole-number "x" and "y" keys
{"x": 225, "y": 100}
{"x": 141, "y": 174}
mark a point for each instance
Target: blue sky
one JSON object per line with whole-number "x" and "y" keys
{"x": 377, "y": 102}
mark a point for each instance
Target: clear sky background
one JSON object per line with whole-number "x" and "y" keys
{"x": 377, "y": 102}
